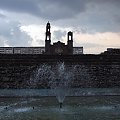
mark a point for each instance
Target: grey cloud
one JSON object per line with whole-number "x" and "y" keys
{"x": 2, "y": 41}
{"x": 117, "y": 18}
{"x": 97, "y": 15}
{"x": 52, "y": 9}
{"x": 89, "y": 47}
{"x": 48, "y": 9}
{"x": 116, "y": 2}
{"x": 64, "y": 8}
{"x": 2, "y": 16}
{"x": 40, "y": 42}
{"x": 58, "y": 34}
{"x": 92, "y": 45}
{"x": 25, "y": 6}
{"x": 12, "y": 35}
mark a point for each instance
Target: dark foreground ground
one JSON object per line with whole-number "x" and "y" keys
{"x": 47, "y": 108}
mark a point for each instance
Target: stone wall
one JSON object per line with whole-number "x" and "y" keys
{"x": 16, "y": 71}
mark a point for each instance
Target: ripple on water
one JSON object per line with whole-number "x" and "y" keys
{"x": 2, "y": 108}
{"x": 102, "y": 108}
{"x": 22, "y": 110}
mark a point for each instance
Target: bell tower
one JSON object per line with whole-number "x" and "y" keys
{"x": 47, "y": 39}
{"x": 70, "y": 42}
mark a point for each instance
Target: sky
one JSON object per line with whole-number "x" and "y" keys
{"x": 95, "y": 23}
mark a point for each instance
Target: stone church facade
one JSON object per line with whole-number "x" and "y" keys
{"x": 60, "y": 48}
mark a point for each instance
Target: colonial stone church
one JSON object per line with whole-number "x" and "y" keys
{"x": 59, "y": 47}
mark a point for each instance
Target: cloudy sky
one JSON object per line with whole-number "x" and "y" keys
{"x": 95, "y": 23}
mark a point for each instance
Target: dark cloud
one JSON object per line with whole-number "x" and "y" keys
{"x": 25, "y": 6}
{"x": 60, "y": 9}
{"x": 117, "y": 18}
{"x": 53, "y": 9}
{"x": 115, "y": 2}
{"x": 99, "y": 17}
{"x": 49, "y": 9}
{"x": 96, "y": 15}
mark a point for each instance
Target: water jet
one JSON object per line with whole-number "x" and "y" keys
{"x": 60, "y": 104}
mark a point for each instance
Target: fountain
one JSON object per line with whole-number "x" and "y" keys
{"x": 60, "y": 85}
{"x": 57, "y": 77}
{"x": 60, "y": 93}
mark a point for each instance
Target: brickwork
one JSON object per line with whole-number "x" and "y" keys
{"x": 91, "y": 70}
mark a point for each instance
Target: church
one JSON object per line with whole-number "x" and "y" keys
{"x": 60, "y": 48}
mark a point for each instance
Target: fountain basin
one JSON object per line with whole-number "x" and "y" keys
{"x": 46, "y": 108}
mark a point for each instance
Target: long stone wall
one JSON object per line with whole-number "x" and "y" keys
{"x": 16, "y": 71}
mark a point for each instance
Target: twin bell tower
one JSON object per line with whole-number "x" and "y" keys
{"x": 58, "y": 48}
